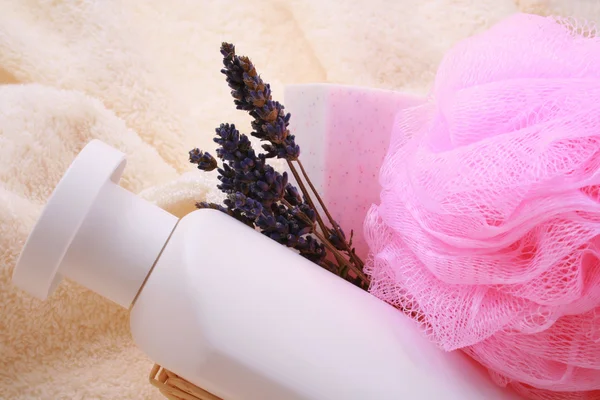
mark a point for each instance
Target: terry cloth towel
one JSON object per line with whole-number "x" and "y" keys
{"x": 144, "y": 77}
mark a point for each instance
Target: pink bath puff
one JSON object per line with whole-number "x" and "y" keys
{"x": 488, "y": 228}
{"x": 344, "y": 133}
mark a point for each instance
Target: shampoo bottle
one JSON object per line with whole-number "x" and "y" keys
{"x": 227, "y": 308}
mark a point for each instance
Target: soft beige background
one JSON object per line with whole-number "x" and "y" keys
{"x": 144, "y": 76}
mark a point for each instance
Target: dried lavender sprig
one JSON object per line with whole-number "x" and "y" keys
{"x": 256, "y": 98}
{"x": 251, "y": 94}
{"x": 270, "y": 123}
{"x": 256, "y": 192}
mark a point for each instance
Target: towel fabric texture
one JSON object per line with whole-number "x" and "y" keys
{"x": 144, "y": 77}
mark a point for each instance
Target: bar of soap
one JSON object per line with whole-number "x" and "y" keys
{"x": 343, "y": 133}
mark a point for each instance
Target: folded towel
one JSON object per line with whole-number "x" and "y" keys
{"x": 144, "y": 77}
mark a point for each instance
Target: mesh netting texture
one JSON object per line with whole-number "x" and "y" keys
{"x": 488, "y": 229}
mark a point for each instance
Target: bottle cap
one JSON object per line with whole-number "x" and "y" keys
{"x": 94, "y": 232}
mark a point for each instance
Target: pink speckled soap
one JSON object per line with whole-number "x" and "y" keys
{"x": 344, "y": 132}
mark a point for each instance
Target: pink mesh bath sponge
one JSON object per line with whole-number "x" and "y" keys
{"x": 488, "y": 231}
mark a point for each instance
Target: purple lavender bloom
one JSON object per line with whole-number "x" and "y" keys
{"x": 257, "y": 194}
{"x": 292, "y": 195}
{"x": 338, "y": 240}
{"x": 204, "y": 160}
{"x": 311, "y": 249}
{"x": 246, "y": 172}
{"x": 251, "y": 209}
{"x": 252, "y": 94}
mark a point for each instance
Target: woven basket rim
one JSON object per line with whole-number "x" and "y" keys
{"x": 173, "y": 387}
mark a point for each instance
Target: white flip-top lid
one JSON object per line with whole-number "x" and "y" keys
{"x": 94, "y": 232}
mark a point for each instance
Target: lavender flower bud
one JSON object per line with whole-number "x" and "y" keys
{"x": 311, "y": 249}
{"x": 250, "y": 208}
{"x": 308, "y": 211}
{"x": 337, "y": 237}
{"x": 204, "y": 160}
{"x": 292, "y": 195}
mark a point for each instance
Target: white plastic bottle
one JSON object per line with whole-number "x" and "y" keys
{"x": 227, "y": 308}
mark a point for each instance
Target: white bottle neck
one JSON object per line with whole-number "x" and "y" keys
{"x": 117, "y": 245}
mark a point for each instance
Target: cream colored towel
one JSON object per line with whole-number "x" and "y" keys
{"x": 144, "y": 77}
